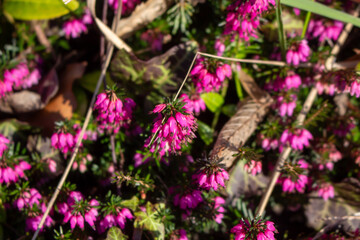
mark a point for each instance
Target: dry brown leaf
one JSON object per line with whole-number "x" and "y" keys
{"x": 62, "y": 106}
{"x": 143, "y": 14}
{"x": 239, "y": 128}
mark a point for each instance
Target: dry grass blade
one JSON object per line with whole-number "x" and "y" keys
{"x": 108, "y": 33}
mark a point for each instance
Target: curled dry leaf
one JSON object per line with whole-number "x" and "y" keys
{"x": 63, "y": 104}
{"x": 143, "y": 14}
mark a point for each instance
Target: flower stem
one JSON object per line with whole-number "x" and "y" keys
{"x": 282, "y": 37}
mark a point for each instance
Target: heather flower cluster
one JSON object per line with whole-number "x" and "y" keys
{"x": 112, "y": 112}
{"x": 19, "y": 77}
{"x": 11, "y": 173}
{"x": 64, "y": 141}
{"x": 324, "y": 29}
{"x": 326, "y": 191}
{"x": 116, "y": 218}
{"x": 205, "y": 79}
{"x": 243, "y": 17}
{"x": 75, "y": 27}
{"x": 296, "y": 182}
{"x": 219, "y": 209}
{"x": 255, "y": 229}
{"x": 28, "y": 198}
{"x": 127, "y": 5}
{"x": 297, "y": 139}
{"x": 298, "y": 52}
{"x": 253, "y": 167}
{"x": 3, "y": 144}
{"x": 194, "y": 103}
{"x": 188, "y": 200}
{"x": 211, "y": 177}
{"x": 78, "y": 211}
{"x": 34, "y": 218}
{"x": 173, "y": 127}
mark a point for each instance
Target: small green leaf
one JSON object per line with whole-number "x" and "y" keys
{"x": 238, "y": 87}
{"x": 38, "y": 9}
{"x": 131, "y": 203}
{"x": 229, "y": 110}
{"x": 148, "y": 220}
{"x": 205, "y": 132}
{"x": 89, "y": 81}
{"x": 115, "y": 233}
{"x": 320, "y": 9}
{"x": 213, "y": 101}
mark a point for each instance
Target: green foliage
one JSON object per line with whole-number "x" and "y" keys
{"x": 213, "y": 101}
{"x": 206, "y": 132}
{"x": 149, "y": 220}
{"x": 321, "y": 9}
{"x": 132, "y": 203}
{"x": 38, "y": 9}
{"x": 179, "y": 16}
{"x": 142, "y": 184}
{"x": 115, "y": 233}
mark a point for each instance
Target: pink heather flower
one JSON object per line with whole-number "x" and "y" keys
{"x": 297, "y": 140}
{"x": 253, "y": 167}
{"x": 189, "y": 200}
{"x": 155, "y": 39}
{"x": 267, "y": 143}
{"x": 218, "y": 202}
{"x": 243, "y": 17}
{"x": 326, "y": 191}
{"x": 19, "y": 77}
{"x": 171, "y": 129}
{"x": 298, "y": 52}
{"x": 328, "y": 88}
{"x": 259, "y": 230}
{"x": 219, "y": 47}
{"x": 194, "y": 103}
{"x": 112, "y": 112}
{"x": 290, "y": 184}
{"x": 71, "y": 212}
{"x": 206, "y": 80}
{"x": 52, "y": 165}
{"x": 12, "y": 174}
{"x": 74, "y": 28}
{"x": 3, "y": 144}
{"x": 117, "y": 219}
{"x": 65, "y": 142}
{"x": 87, "y": 18}
{"x": 355, "y": 88}
{"x": 286, "y": 106}
{"x": 297, "y": 11}
{"x": 208, "y": 178}
{"x": 33, "y": 221}
{"x": 324, "y": 29}
{"x": 328, "y": 156}
{"x": 127, "y": 5}
{"x": 292, "y": 81}
{"x": 28, "y": 199}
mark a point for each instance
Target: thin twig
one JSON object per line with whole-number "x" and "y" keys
{"x": 78, "y": 143}
{"x": 113, "y": 153}
{"x": 187, "y": 75}
{"x": 122, "y": 159}
{"x": 254, "y": 61}
{"x": 102, "y": 38}
{"x": 41, "y": 36}
{"x": 300, "y": 120}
